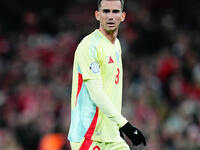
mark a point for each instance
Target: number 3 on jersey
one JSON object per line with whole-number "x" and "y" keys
{"x": 117, "y": 76}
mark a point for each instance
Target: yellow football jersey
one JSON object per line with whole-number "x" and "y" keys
{"x": 95, "y": 58}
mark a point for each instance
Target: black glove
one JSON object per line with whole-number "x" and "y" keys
{"x": 134, "y": 134}
{"x": 121, "y": 133}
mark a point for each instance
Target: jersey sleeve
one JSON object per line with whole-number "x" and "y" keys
{"x": 104, "y": 103}
{"x": 89, "y": 60}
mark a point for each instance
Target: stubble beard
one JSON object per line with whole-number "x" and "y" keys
{"x": 111, "y": 31}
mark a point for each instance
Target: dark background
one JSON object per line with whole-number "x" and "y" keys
{"x": 161, "y": 49}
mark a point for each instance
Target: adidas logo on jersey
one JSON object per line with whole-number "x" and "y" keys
{"x": 110, "y": 60}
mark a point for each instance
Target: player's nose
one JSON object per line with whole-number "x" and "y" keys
{"x": 110, "y": 16}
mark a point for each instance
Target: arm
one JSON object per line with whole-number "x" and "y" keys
{"x": 99, "y": 97}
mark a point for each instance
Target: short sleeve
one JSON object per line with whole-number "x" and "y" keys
{"x": 89, "y": 61}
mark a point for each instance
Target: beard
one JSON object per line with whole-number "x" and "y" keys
{"x": 110, "y": 31}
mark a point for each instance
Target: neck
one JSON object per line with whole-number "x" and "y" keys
{"x": 110, "y": 36}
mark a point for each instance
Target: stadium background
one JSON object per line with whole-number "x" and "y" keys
{"x": 161, "y": 49}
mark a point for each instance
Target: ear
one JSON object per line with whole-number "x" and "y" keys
{"x": 97, "y": 15}
{"x": 123, "y": 16}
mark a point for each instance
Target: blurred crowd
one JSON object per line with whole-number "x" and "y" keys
{"x": 161, "y": 60}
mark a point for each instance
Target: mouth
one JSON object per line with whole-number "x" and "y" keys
{"x": 111, "y": 24}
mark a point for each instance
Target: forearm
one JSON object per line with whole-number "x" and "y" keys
{"x": 99, "y": 97}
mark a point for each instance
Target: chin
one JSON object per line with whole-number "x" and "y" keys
{"x": 111, "y": 31}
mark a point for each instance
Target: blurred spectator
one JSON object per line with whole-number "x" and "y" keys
{"x": 54, "y": 142}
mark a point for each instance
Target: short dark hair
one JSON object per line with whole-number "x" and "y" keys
{"x": 122, "y": 4}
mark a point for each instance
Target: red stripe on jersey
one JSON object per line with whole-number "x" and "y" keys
{"x": 86, "y": 144}
{"x": 80, "y": 82}
{"x": 91, "y": 129}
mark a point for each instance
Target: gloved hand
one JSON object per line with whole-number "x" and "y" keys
{"x": 134, "y": 134}
{"x": 121, "y": 133}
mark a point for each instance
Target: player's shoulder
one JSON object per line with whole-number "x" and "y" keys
{"x": 82, "y": 46}
{"x": 95, "y": 35}
{"x": 89, "y": 41}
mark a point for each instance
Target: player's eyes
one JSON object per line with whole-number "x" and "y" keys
{"x": 106, "y": 11}
{"x": 116, "y": 11}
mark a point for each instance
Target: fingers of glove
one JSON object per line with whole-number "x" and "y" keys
{"x": 138, "y": 139}
{"x": 144, "y": 142}
{"x": 142, "y": 138}
{"x": 136, "y": 142}
{"x": 134, "y": 134}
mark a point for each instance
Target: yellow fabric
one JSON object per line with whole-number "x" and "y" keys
{"x": 120, "y": 145}
{"x": 104, "y": 103}
{"x": 96, "y": 58}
